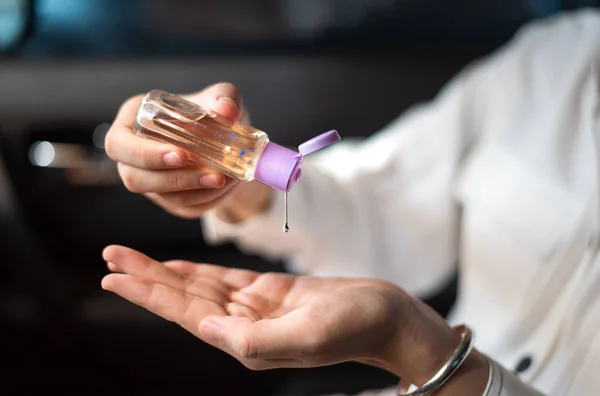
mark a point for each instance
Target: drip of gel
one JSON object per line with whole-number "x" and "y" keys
{"x": 286, "y": 226}
{"x": 310, "y": 146}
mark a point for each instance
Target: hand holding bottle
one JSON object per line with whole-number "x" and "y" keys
{"x": 167, "y": 175}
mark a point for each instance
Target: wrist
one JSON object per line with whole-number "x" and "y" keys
{"x": 428, "y": 358}
{"x": 422, "y": 344}
{"x": 470, "y": 379}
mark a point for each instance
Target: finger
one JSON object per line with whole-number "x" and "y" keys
{"x": 187, "y": 269}
{"x": 137, "y": 264}
{"x": 233, "y": 277}
{"x": 113, "y": 267}
{"x": 141, "y": 180}
{"x": 267, "y": 291}
{"x": 124, "y": 146}
{"x": 199, "y": 196}
{"x": 289, "y": 336}
{"x": 187, "y": 212}
{"x": 236, "y": 309}
{"x": 223, "y": 98}
{"x": 257, "y": 302}
{"x": 182, "y": 267}
{"x": 172, "y": 304}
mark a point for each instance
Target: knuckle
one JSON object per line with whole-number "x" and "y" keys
{"x": 178, "y": 182}
{"x": 186, "y": 306}
{"x": 245, "y": 348}
{"x": 143, "y": 155}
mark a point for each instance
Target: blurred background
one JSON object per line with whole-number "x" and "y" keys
{"x": 305, "y": 66}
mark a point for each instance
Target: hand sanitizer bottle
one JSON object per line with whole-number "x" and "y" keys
{"x": 237, "y": 150}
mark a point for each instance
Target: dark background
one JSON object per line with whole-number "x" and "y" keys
{"x": 305, "y": 66}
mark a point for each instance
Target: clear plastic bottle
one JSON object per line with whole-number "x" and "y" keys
{"x": 235, "y": 149}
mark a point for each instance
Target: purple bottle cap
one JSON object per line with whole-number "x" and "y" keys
{"x": 280, "y": 167}
{"x": 318, "y": 142}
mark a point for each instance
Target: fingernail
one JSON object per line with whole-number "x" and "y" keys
{"x": 172, "y": 159}
{"x": 227, "y": 99}
{"x": 210, "y": 329}
{"x": 209, "y": 181}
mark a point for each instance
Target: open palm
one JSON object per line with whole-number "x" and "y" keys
{"x": 264, "y": 320}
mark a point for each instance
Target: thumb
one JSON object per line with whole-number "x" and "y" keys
{"x": 224, "y": 98}
{"x": 283, "y": 337}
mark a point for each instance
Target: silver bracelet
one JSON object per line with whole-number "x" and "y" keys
{"x": 445, "y": 372}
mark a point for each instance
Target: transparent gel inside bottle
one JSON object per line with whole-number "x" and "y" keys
{"x": 231, "y": 148}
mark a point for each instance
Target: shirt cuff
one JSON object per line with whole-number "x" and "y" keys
{"x": 504, "y": 383}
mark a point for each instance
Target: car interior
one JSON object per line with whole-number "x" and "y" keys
{"x": 304, "y": 67}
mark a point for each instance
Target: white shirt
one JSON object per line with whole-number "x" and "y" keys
{"x": 499, "y": 175}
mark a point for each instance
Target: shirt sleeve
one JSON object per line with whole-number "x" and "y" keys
{"x": 384, "y": 207}
{"x": 381, "y": 207}
{"x": 504, "y": 383}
